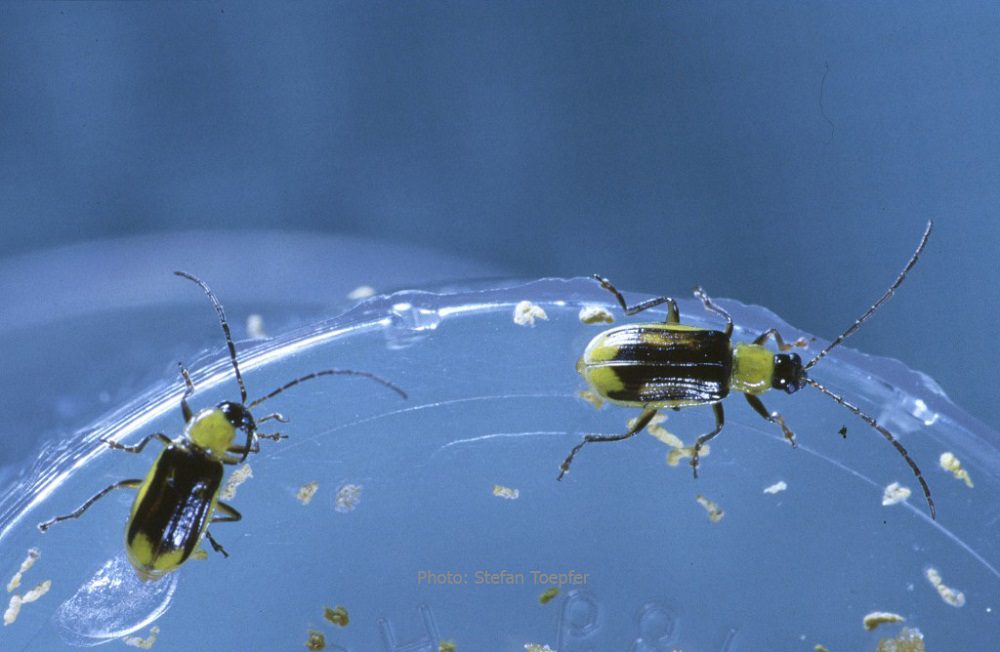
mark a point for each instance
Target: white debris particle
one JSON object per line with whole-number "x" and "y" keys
{"x": 776, "y": 487}
{"x": 876, "y": 618}
{"x": 895, "y": 494}
{"x": 676, "y": 455}
{"x": 13, "y": 609}
{"x": 306, "y": 492}
{"x": 949, "y": 462}
{"x": 361, "y": 292}
{"x": 537, "y": 647}
{"x": 949, "y": 595}
{"x": 506, "y": 492}
{"x": 348, "y": 497}
{"x": 37, "y": 592}
{"x": 255, "y": 327}
{"x": 525, "y": 313}
{"x": 143, "y": 643}
{"x": 714, "y": 513}
{"x": 29, "y": 561}
{"x": 595, "y": 314}
{"x": 238, "y": 477}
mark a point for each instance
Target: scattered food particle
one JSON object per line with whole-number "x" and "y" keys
{"x": 361, "y": 292}
{"x": 506, "y": 492}
{"x": 894, "y": 494}
{"x": 255, "y": 327}
{"x": 238, "y": 477}
{"x": 447, "y": 646}
{"x": 802, "y": 343}
{"x": 348, "y": 497}
{"x": 876, "y": 618}
{"x": 29, "y": 561}
{"x": 337, "y": 616}
{"x": 316, "y": 641}
{"x": 13, "y": 608}
{"x": 537, "y": 647}
{"x": 949, "y": 595}
{"x": 843, "y": 432}
{"x": 37, "y": 592}
{"x": 306, "y": 492}
{"x": 820, "y": 648}
{"x": 594, "y": 314}
{"x": 549, "y": 595}
{"x": 714, "y": 513}
{"x": 776, "y": 487}
{"x": 676, "y": 455}
{"x": 143, "y": 643}
{"x": 591, "y": 398}
{"x": 949, "y": 462}
{"x": 525, "y": 313}
{"x": 655, "y": 429}
{"x": 909, "y": 640}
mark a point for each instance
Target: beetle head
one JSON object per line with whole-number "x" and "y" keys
{"x": 789, "y": 373}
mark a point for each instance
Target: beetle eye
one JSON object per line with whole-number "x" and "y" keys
{"x": 235, "y": 414}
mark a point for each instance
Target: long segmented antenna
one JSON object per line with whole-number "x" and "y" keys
{"x": 328, "y": 372}
{"x": 885, "y": 297}
{"x": 225, "y": 329}
{"x": 888, "y": 435}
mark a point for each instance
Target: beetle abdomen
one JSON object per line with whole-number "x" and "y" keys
{"x": 667, "y": 365}
{"x": 174, "y": 506}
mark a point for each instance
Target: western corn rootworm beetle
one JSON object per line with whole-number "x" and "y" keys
{"x": 672, "y": 365}
{"x": 179, "y": 498}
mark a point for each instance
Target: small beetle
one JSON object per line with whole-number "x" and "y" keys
{"x": 672, "y": 365}
{"x": 179, "y": 497}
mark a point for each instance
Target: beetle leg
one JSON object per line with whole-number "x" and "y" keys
{"x": 711, "y": 307}
{"x": 244, "y": 451}
{"x": 166, "y": 441}
{"x": 188, "y": 391}
{"x": 130, "y": 484}
{"x": 720, "y": 420}
{"x": 641, "y": 422}
{"x": 773, "y": 332}
{"x": 673, "y": 314}
{"x": 773, "y": 417}
{"x": 216, "y": 546}
{"x": 231, "y": 515}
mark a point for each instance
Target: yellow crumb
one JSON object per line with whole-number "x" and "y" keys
{"x": 595, "y": 314}
{"x": 306, "y": 492}
{"x": 29, "y": 561}
{"x": 591, "y": 398}
{"x": 714, "y": 513}
{"x": 505, "y": 492}
{"x": 447, "y": 646}
{"x": 549, "y": 595}
{"x": 876, "y": 618}
{"x": 143, "y": 643}
{"x": 537, "y": 647}
{"x": 949, "y": 462}
{"x": 337, "y": 616}
{"x": 316, "y": 641}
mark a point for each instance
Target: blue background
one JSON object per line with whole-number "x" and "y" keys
{"x": 786, "y": 154}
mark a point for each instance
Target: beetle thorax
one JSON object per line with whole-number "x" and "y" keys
{"x": 211, "y": 431}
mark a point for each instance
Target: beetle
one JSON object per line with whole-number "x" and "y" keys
{"x": 179, "y": 497}
{"x": 673, "y": 365}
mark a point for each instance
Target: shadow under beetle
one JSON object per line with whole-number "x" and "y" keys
{"x": 672, "y": 365}
{"x": 179, "y": 498}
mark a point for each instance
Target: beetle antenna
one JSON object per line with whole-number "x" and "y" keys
{"x": 888, "y": 435}
{"x": 225, "y": 329}
{"x": 885, "y": 297}
{"x": 328, "y": 372}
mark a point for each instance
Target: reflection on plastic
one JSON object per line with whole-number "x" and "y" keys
{"x": 112, "y": 604}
